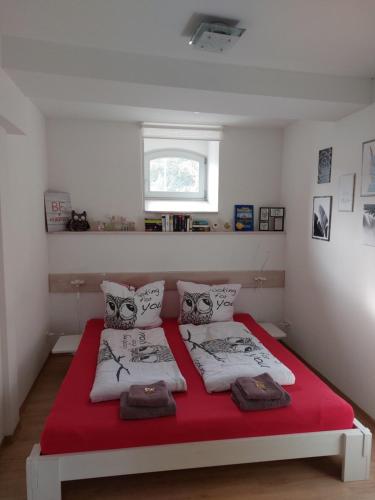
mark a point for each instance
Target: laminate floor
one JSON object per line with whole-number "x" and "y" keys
{"x": 309, "y": 479}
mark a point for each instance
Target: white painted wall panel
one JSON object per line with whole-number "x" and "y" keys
{"x": 98, "y": 162}
{"x": 330, "y": 287}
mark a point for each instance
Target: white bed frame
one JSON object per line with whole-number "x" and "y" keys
{"x": 46, "y": 472}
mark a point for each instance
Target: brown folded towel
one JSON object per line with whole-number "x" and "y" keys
{"x": 149, "y": 395}
{"x": 258, "y": 404}
{"x": 128, "y": 412}
{"x": 261, "y": 387}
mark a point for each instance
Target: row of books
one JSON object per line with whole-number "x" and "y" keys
{"x": 176, "y": 223}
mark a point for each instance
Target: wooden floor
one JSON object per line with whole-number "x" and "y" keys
{"x": 310, "y": 479}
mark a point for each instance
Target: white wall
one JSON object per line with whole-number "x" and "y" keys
{"x": 89, "y": 252}
{"x": 23, "y": 174}
{"x": 98, "y": 162}
{"x": 330, "y": 289}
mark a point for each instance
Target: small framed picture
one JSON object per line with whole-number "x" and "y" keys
{"x": 346, "y": 193}
{"x": 321, "y": 223}
{"x": 277, "y": 212}
{"x": 271, "y": 218}
{"x": 263, "y": 213}
{"x": 368, "y": 169}
{"x": 279, "y": 224}
{"x": 324, "y": 166}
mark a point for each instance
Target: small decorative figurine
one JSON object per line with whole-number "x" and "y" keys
{"x": 78, "y": 222}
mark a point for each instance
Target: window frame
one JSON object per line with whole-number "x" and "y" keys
{"x": 176, "y": 195}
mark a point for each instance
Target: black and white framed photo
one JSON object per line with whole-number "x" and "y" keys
{"x": 368, "y": 168}
{"x": 277, "y": 212}
{"x": 279, "y": 224}
{"x": 271, "y": 218}
{"x": 322, "y": 208}
{"x": 264, "y": 213}
{"x": 369, "y": 224}
{"x": 325, "y": 166}
{"x": 346, "y": 193}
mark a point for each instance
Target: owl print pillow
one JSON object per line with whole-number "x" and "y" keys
{"x": 201, "y": 304}
{"x": 126, "y": 307}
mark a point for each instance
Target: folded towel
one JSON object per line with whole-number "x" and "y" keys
{"x": 258, "y": 404}
{"x": 128, "y": 412}
{"x": 262, "y": 387}
{"x": 149, "y": 395}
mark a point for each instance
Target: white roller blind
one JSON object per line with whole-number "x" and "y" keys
{"x": 187, "y": 132}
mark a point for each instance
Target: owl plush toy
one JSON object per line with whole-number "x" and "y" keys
{"x": 78, "y": 222}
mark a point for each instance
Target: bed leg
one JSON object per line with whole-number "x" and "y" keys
{"x": 357, "y": 454}
{"x": 42, "y": 476}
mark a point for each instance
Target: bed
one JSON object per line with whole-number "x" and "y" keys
{"x": 82, "y": 440}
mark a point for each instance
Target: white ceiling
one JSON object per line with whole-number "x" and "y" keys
{"x": 99, "y": 111}
{"x": 321, "y": 36}
{"x": 130, "y": 60}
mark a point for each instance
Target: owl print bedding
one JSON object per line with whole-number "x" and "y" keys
{"x": 128, "y": 357}
{"x": 127, "y": 308}
{"x": 202, "y": 304}
{"x": 224, "y": 351}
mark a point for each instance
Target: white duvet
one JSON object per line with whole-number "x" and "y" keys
{"x": 136, "y": 356}
{"x": 226, "y": 350}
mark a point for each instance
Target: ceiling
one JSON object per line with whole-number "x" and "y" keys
{"x": 334, "y": 38}
{"x": 321, "y": 36}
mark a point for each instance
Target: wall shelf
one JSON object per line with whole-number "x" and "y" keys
{"x": 169, "y": 233}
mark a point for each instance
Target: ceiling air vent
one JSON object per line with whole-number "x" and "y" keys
{"x": 216, "y": 35}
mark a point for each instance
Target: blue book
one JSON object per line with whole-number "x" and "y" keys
{"x": 244, "y": 217}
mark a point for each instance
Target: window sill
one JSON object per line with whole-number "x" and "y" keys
{"x": 189, "y": 206}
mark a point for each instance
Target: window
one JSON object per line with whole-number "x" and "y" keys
{"x": 175, "y": 174}
{"x": 181, "y": 168}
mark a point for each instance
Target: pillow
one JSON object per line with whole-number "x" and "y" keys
{"x": 201, "y": 304}
{"x": 126, "y": 307}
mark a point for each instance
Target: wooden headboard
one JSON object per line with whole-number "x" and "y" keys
{"x": 62, "y": 283}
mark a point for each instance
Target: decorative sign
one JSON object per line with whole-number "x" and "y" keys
{"x": 58, "y": 210}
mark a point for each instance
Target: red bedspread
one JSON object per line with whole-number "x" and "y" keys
{"x": 75, "y": 424}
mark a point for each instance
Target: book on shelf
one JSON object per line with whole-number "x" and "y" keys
{"x": 244, "y": 217}
{"x": 169, "y": 223}
{"x": 155, "y": 224}
{"x": 201, "y": 225}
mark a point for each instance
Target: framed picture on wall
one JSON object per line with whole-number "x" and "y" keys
{"x": 325, "y": 166}
{"x": 368, "y": 224}
{"x": 346, "y": 193}
{"x": 368, "y": 168}
{"x": 271, "y": 218}
{"x": 321, "y": 221}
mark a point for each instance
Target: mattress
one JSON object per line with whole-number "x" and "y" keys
{"x": 76, "y": 425}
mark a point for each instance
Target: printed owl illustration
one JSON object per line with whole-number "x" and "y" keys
{"x": 121, "y": 313}
{"x": 197, "y": 308}
{"x": 151, "y": 354}
{"x": 231, "y": 345}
